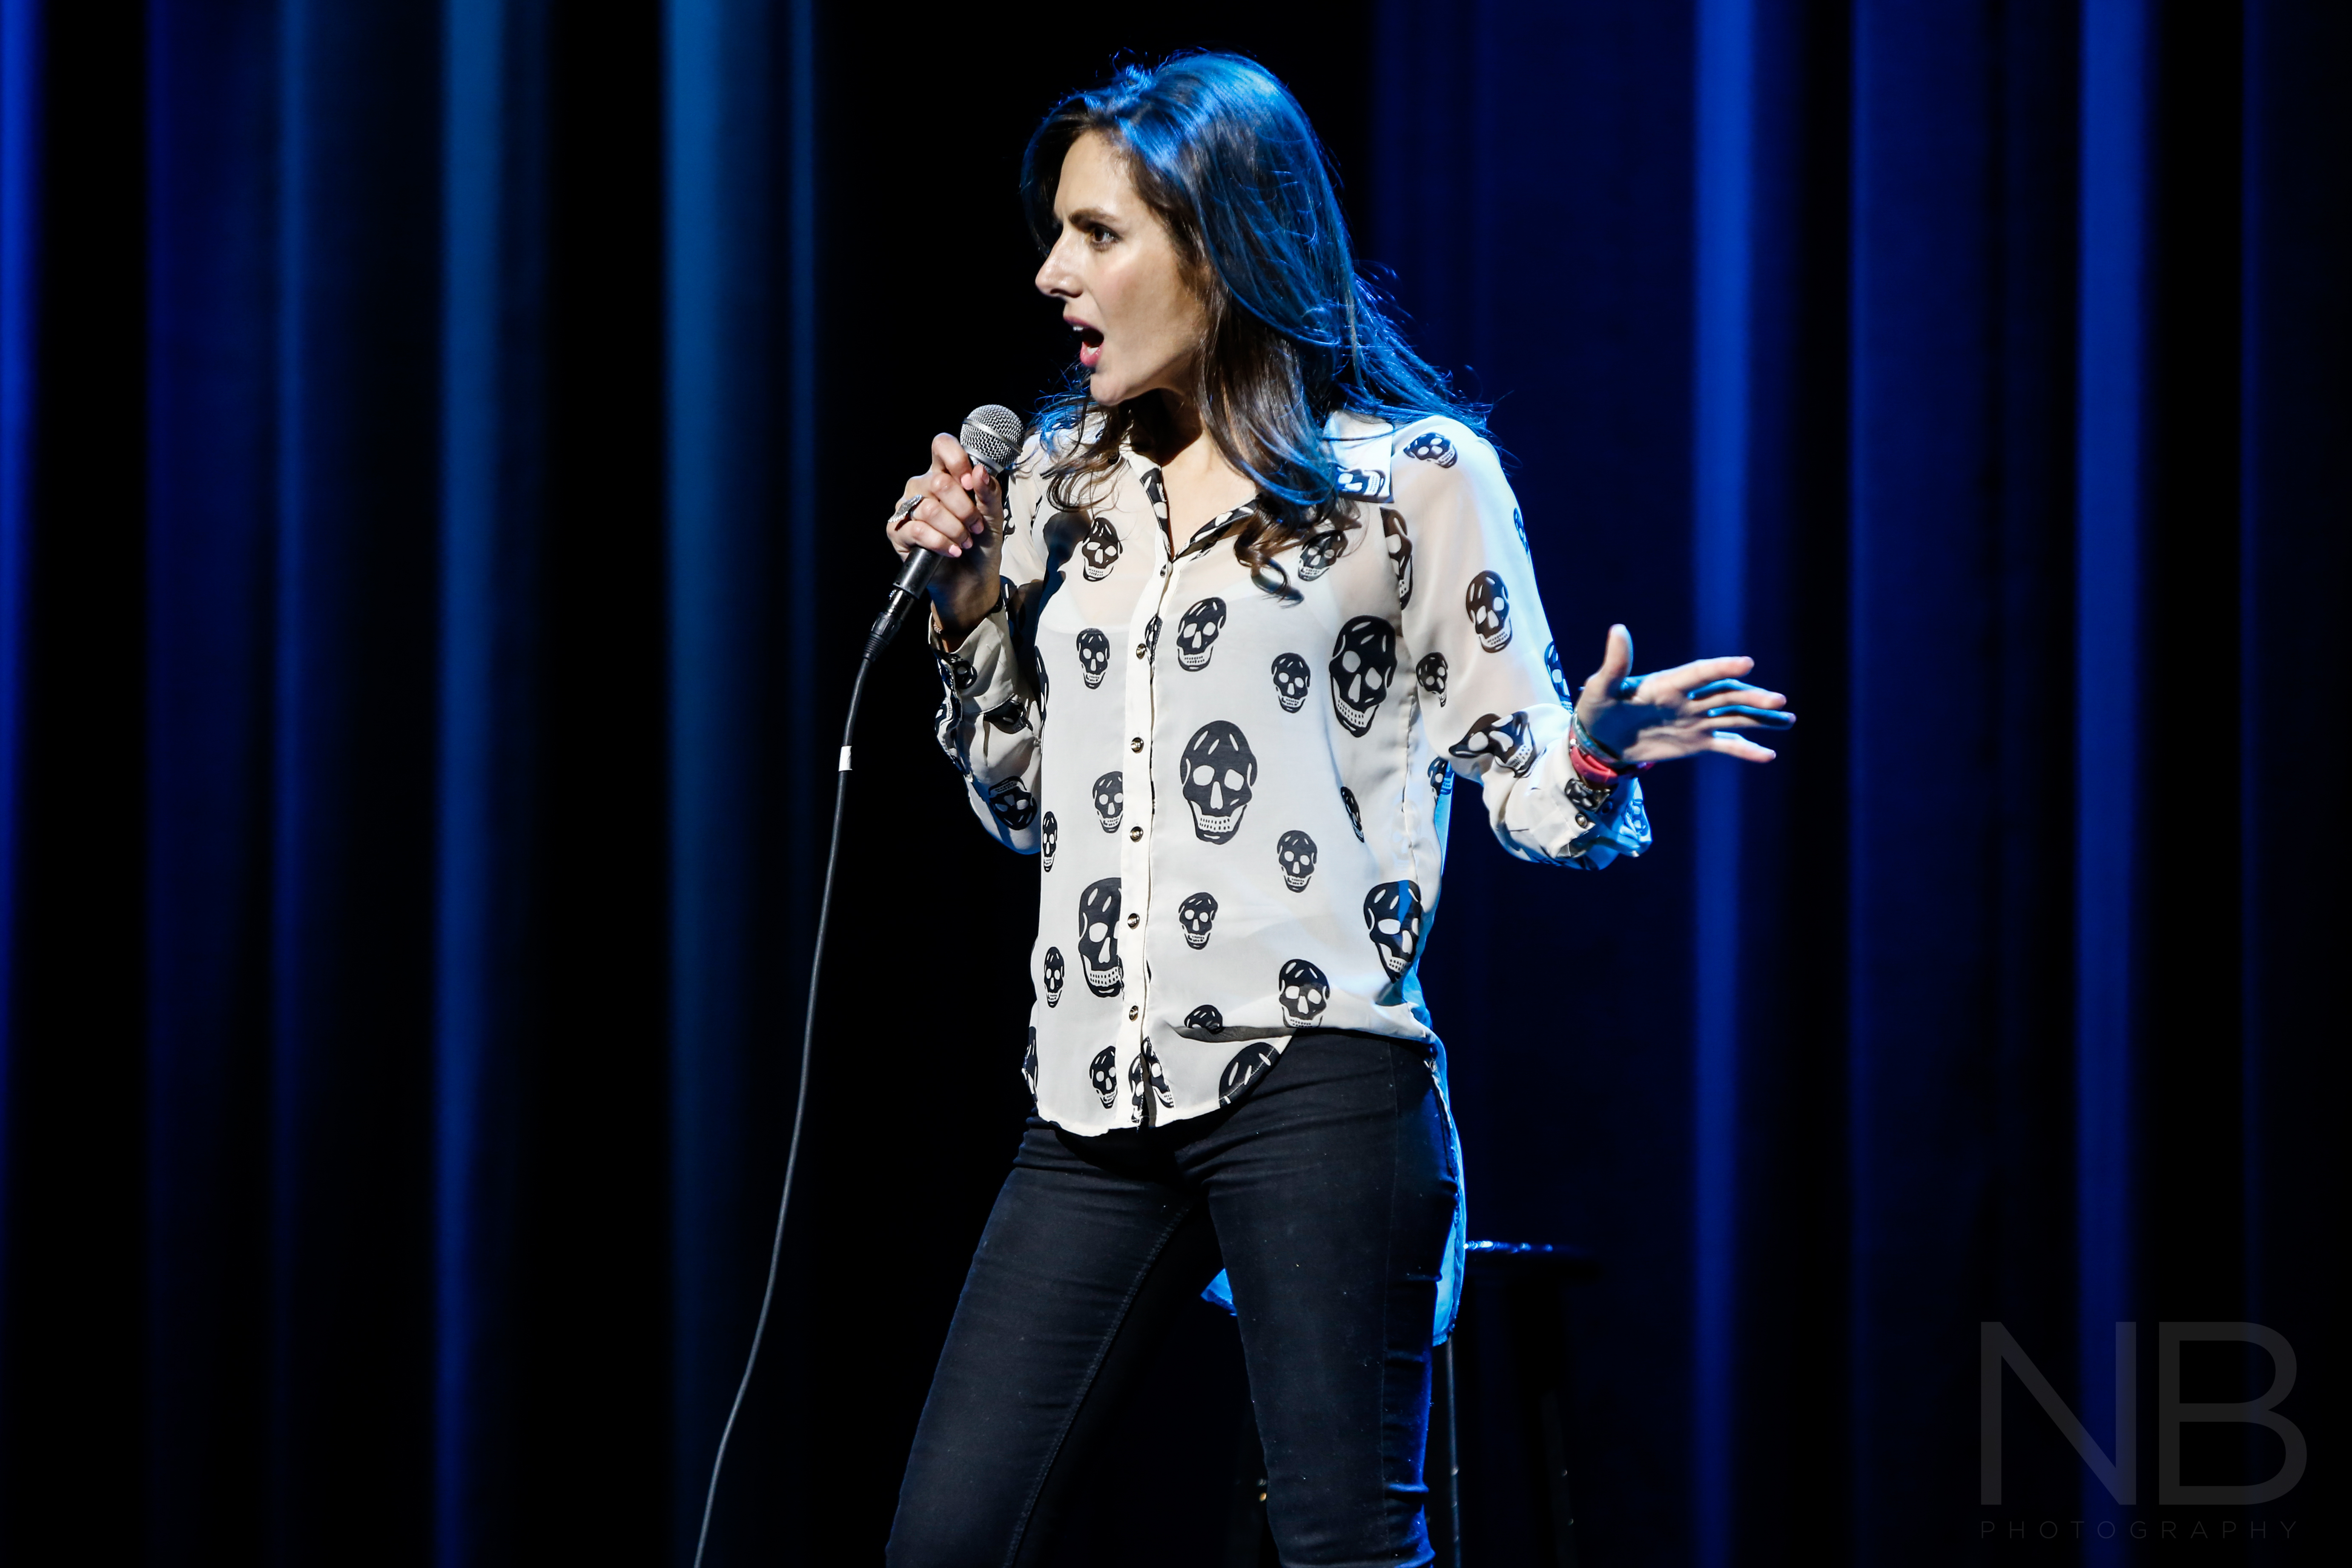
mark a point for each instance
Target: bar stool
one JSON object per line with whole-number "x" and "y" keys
{"x": 1520, "y": 1283}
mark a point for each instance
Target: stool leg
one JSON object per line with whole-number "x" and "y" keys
{"x": 1563, "y": 1513}
{"x": 1249, "y": 1544}
{"x": 1449, "y": 1549}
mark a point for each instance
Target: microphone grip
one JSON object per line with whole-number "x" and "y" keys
{"x": 906, "y": 593}
{"x": 914, "y": 576}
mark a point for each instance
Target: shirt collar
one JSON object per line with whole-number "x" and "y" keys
{"x": 1361, "y": 452}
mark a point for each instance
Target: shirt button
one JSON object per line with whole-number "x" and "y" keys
{"x": 1136, "y": 744}
{"x": 1135, "y": 1013}
{"x": 1139, "y": 650}
{"x": 1133, "y": 922}
{"x": 1136, "y": 833}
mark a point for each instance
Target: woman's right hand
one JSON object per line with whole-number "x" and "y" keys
{"x": 955, "y": 509}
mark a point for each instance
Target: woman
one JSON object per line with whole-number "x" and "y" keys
{"x": 1253, "y": 597}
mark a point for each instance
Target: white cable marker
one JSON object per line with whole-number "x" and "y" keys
{"x": 844, "y": 759}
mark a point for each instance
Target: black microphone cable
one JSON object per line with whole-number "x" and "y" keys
{"x": 800, "y": 1098}
{"x": 992, "y": 435}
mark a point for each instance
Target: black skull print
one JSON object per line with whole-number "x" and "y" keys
{"x": 1363, "y": 662}
{"x": 1506, "y": 742}
{"x": 1013, "y": 805}
{"x": 1432, "y": 447}
{"x": 1431, "y": 673}
{"x": 1197, "y": 634}
{"x": 1094, "y": 655}
{"x": 1400, "y": 547}
{"x": 1488, "y": 603}
{"x": 1291, "y": 678}
{"x": 1198, "y": 915}
{"x": 1219, "y": 776}
{"x": 1292, "y": 888}
{"x": 1098, "y": 938}
{"x": 1110, "y": 799}
{"x": 1295, "y": 852}
{"x": 1144, "y": 1077}
{"x": 1100, "y": 551}
{"x": 1244, "y": 1069}
{"x": 1303, "y": 991}
{"x": 1317, "y": 555}
{"x": 1393, "y": 917}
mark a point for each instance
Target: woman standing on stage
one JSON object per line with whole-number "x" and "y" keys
{"x": 1254, "y": 597}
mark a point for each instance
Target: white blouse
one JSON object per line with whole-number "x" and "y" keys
{"x": 1241, "y": 800}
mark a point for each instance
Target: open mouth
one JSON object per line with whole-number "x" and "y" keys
{"x": 1090, "y": 343}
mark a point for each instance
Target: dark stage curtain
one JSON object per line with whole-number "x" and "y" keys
{"x": 1968, "y": 364}
{"x": 439, "y": 454}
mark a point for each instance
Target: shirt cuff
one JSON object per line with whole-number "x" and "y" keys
{"x": 1620, "y": 824}
{"x": 982, "y": 673}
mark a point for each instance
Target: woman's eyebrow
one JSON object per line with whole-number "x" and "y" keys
{"x": 1089, "y": 215}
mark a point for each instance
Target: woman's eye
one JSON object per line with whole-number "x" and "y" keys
{"x": 1100, "y": 234}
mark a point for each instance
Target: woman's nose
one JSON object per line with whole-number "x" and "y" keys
{"x": 1053, "y": 278}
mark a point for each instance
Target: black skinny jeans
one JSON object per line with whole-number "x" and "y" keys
{"x": 1326, "y": 1193}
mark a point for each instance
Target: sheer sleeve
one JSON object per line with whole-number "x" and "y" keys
{"x": 992, "y": 715}
{"x": 1494, "y": 697}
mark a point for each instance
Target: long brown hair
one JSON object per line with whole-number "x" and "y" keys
{"x": 1223, "y": 153}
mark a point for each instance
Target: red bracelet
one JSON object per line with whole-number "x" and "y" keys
{"x": 1592, "y": 769}
{"x": 1593, "y": 766}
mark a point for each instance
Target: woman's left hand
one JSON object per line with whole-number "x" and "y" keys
{"x": 1679, "y": 712}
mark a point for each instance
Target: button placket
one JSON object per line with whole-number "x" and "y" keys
{"x": 1140, "y": 706}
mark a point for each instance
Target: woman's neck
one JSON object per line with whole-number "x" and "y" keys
{"x": 1201, "y": 485}
{"x": 1174, "y": 431}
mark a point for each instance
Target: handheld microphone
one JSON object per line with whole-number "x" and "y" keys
{"x": 992, "y": 435}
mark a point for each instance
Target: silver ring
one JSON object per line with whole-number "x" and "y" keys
{"x": 905, "y": 509}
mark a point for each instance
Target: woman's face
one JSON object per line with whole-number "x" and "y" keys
{"x": 1122, "y": 284}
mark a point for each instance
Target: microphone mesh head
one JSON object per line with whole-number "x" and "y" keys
{"x": 992, "y": 434}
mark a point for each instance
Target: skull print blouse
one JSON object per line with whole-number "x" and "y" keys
{"x": 1239, "y": 787}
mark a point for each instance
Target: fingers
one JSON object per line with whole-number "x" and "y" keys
{"x": 1689, "y": 678}
{"x": 988, "y": 491}
{"x": 931, "y": 523}
{"x": 946, "y": 516}
{"x": 948, "y": 508}
{"x": 1616, "y": 658}
{"x": 949, "y": 457}
{"x": 927, "y": 530}
{"x": 1741, "y": 717}
{"x": 1739, "y": 746}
